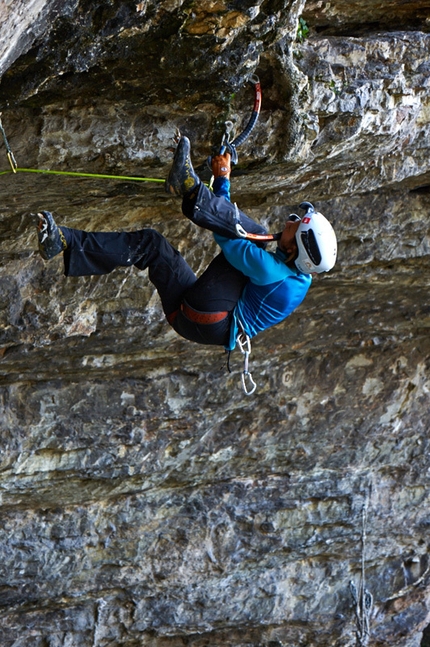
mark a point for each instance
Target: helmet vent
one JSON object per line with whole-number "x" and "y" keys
{"x": 310, "y": 244}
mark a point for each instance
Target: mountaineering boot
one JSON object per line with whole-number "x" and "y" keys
{"x": 182, "y": 178}
{"x": 51, "y": 238}
{"x": 221, "y": 166}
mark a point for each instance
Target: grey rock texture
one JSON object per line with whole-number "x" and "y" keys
{"x": 145, "y": 501}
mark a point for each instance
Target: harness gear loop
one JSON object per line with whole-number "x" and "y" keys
{"x": 244, "y": 343}
{"x": 10, "y": 155}
{"x": 242, "y": 233}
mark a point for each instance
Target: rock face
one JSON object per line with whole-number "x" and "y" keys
{"x": 145, "y": 500}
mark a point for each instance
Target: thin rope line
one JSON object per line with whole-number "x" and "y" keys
{"x": 88, "y": 175}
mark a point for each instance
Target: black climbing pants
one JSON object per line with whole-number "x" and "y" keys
{"x": 199, "y": 309}
{"x": 216, "y": 291}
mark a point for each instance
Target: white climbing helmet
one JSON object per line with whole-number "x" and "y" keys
{"x": 316, "y": 241}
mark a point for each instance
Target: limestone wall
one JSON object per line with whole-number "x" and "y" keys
{"x": 145, "y": 500}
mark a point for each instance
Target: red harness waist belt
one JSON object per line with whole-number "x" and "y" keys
{"x": 202, "y": 317}
{"x": 198, "y": 317}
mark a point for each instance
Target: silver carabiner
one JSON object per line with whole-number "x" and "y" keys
{"x": 229, "y": 125}
{"x": 247, "y": 374}
{"x": 244, "y": 343}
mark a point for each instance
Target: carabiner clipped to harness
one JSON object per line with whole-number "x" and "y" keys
{"x": 244, "y": 343}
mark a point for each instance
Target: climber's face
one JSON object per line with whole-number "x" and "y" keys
{"x": 287, "y": 242}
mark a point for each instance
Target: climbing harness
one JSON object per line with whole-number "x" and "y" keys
{"x": 10, "y": 155}
{"x": 244, "y": 343}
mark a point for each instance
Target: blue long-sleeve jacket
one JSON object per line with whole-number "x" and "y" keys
{"x": 274, "y": 290}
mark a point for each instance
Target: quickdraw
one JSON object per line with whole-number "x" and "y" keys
{"x": 10, "y": 155}
{"x": 244, "y": 343}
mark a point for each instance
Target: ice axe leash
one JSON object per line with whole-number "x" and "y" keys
{"x": 230, "y": 145}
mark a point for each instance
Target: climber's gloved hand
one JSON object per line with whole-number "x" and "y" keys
{"x": 221, "y": 165}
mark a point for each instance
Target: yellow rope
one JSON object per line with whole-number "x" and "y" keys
{"x": 89, "y": 175}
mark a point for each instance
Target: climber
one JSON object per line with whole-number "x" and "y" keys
{"x": 245, "y": 289}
